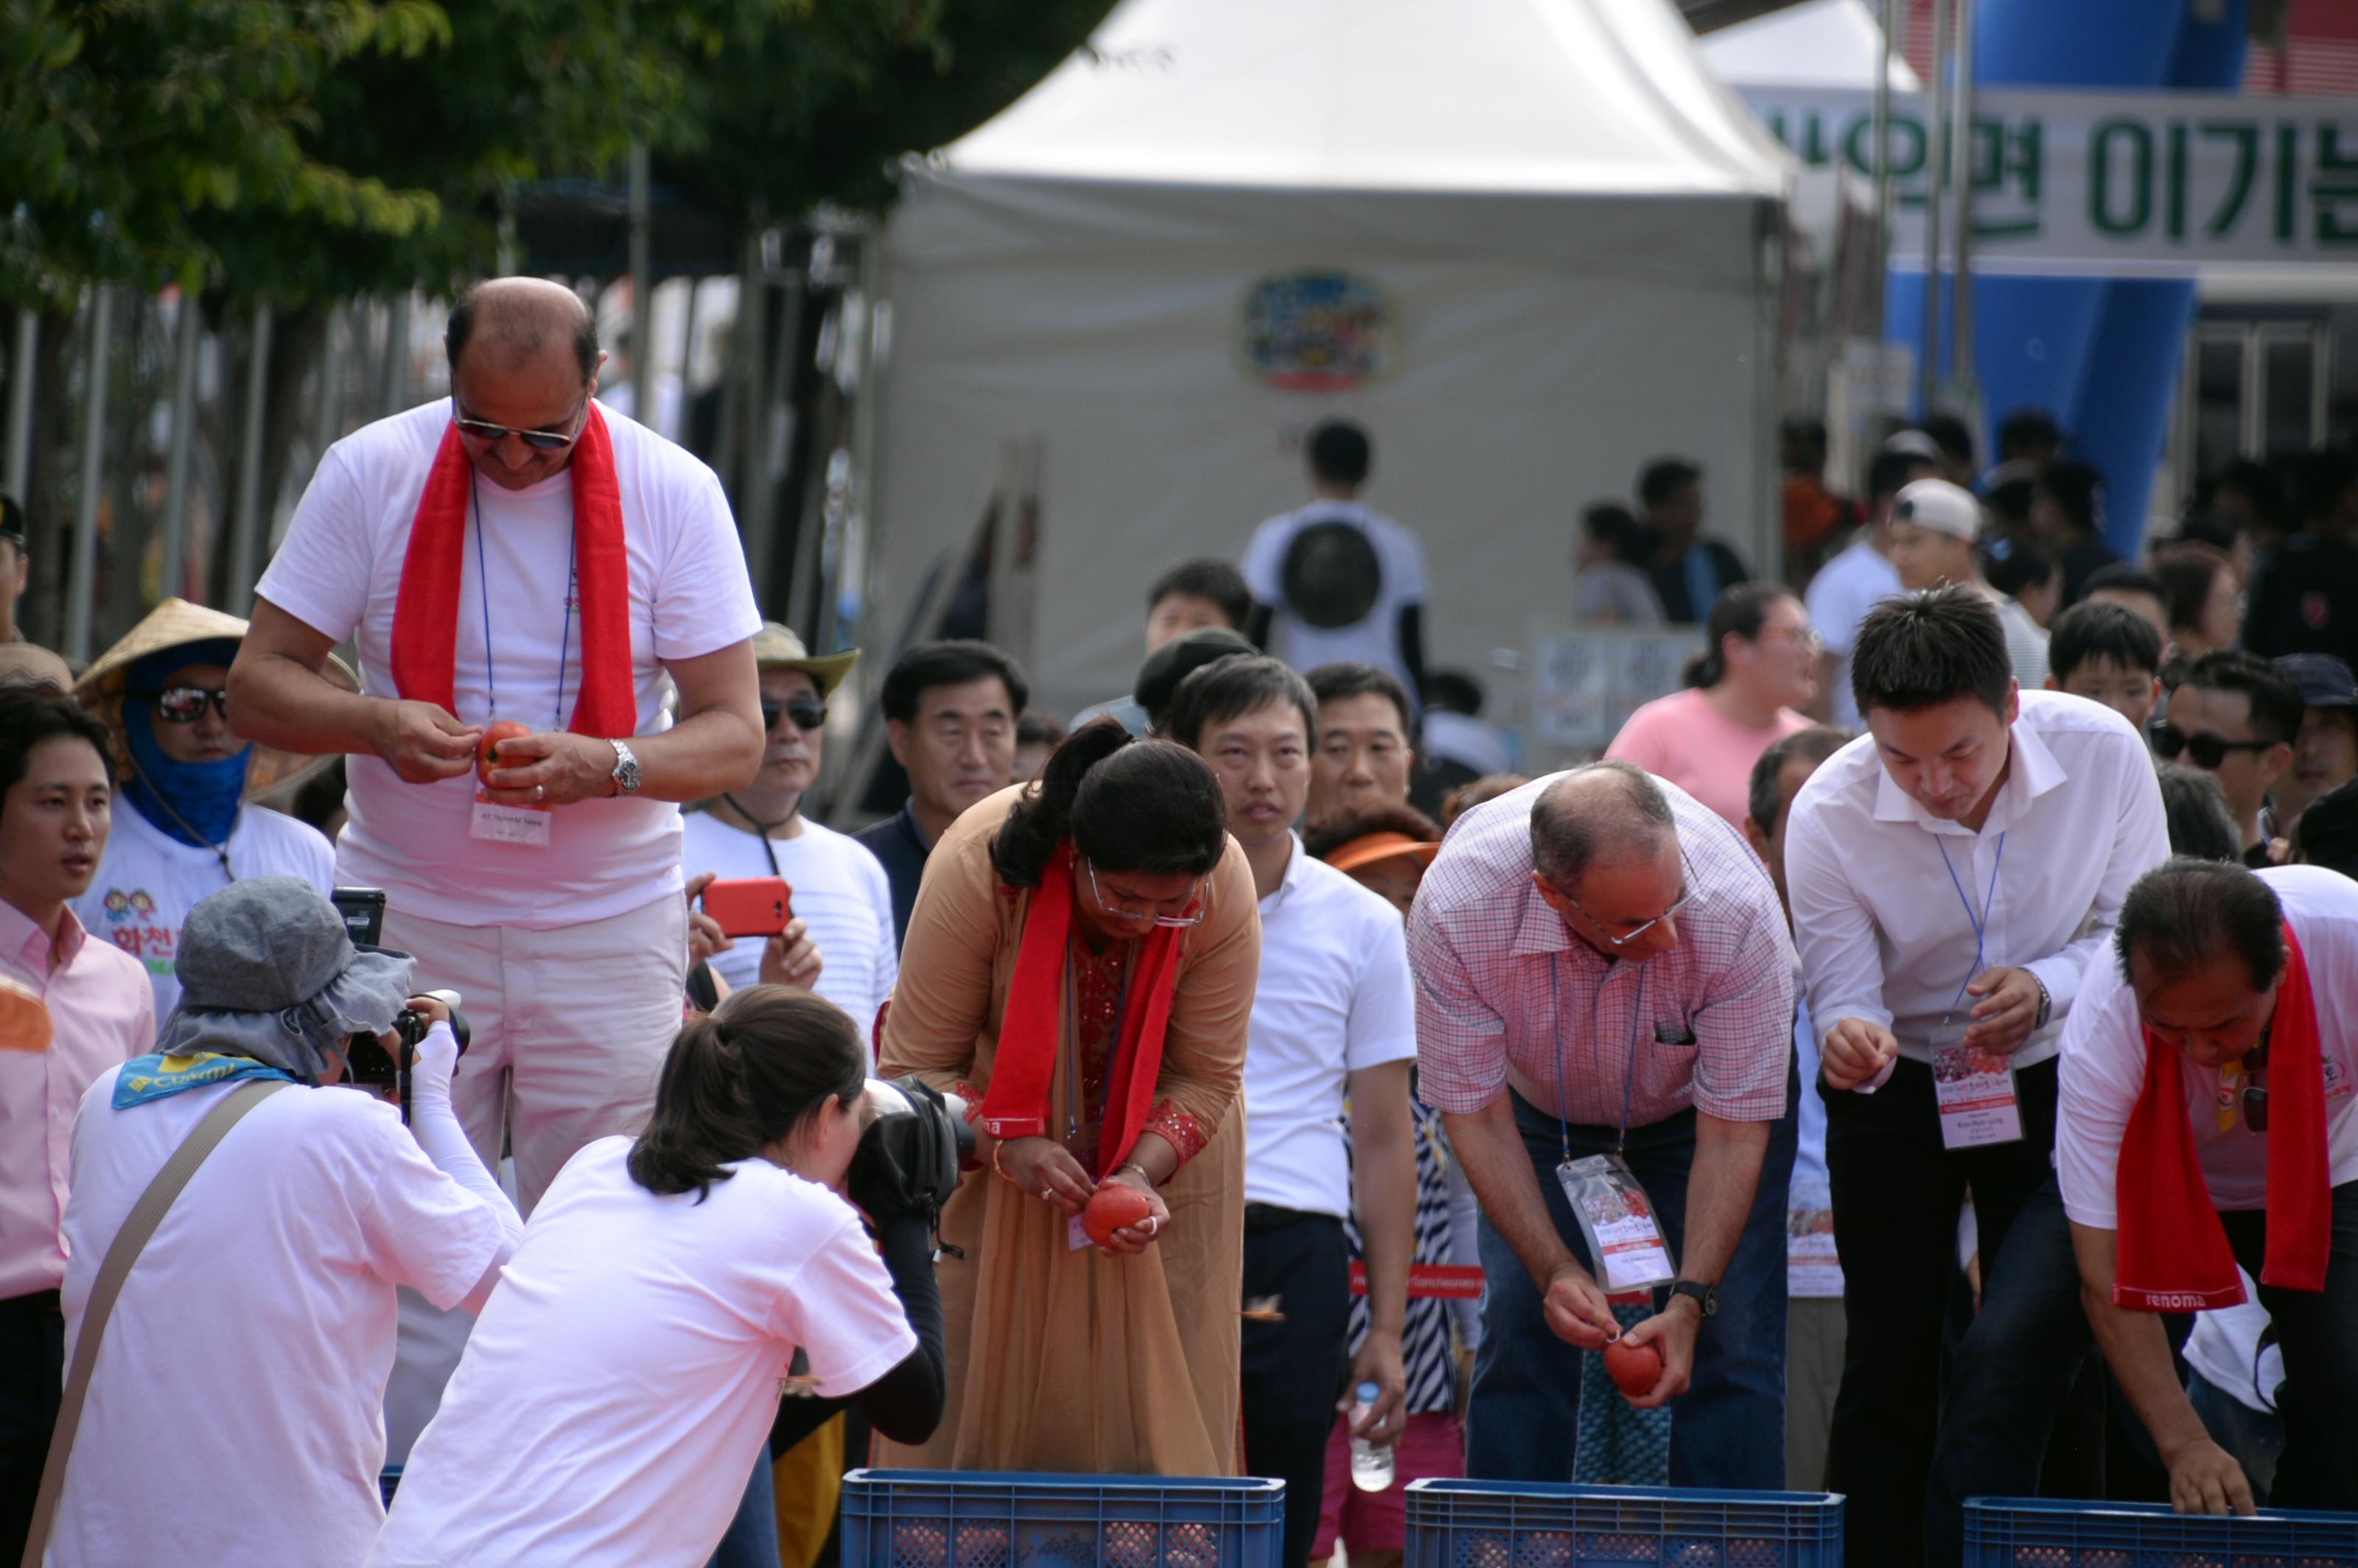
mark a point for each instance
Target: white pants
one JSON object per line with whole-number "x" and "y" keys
{"x": 570, "y": 1026}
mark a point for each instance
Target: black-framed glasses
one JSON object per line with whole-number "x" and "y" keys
{"x": 185, "y": 704}
{"x": 1684, "y": 899}
{"x": 808, "y": 716}
{"x": 2202, "y": 749}
{"x": 1191, "y": 913}
{"x": 538, "y": 441}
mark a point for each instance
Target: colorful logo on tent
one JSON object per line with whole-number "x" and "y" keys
{"x": 1317, "y": 331}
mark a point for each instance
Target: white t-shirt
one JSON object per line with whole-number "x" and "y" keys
{"x": 339, "y": 572}
{"x": 1334, "y": 996}
{"x": 235, "y": 1414}
{"x": 2103, "y": 1065}
{"x": 1373, "y": 638}
{"x": 149, "y": 880}
{"x": 2224, "y": 1347}
{"x": 1840, "y": 594}
{"x": 839, "y": 893}
{"x": 626, "y": 1372}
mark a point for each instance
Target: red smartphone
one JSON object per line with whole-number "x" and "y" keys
{"x": 751, "y": 906}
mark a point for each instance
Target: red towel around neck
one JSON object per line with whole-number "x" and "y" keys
{"x": 426, "y": 613}
{"x": 2172, "y": 1253}
{"x": 1016, "y": 1105}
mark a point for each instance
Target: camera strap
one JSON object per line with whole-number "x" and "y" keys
{"x": 138, "y": 1226}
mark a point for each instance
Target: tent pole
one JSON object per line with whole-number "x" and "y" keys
{"x": 20, "y": 440}
{"x": 171, "y": 561}
{"x": 396, "y": 355}
{"x": 81, "y": 561}
{"x": 1928, "y": 363}
{"x": 1960, "y": 158}
{"x": 328, "y": 416}
{"x": 1882, "y": 170}
{"x": 246, "y": 516}
{"x": 643, "y": 298}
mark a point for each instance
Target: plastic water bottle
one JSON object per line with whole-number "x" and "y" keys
{"x": 1371, "y": 1463}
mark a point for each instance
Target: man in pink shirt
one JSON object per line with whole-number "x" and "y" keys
{"x": 53, "y": 821}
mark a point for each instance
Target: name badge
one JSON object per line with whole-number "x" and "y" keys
{"x": 1617, "y": 1220}
{"x": 1973, "y": 1090}
{"x": 526, "y": 825}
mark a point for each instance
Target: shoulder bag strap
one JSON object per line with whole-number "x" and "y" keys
{"x": 137, "y": 1226}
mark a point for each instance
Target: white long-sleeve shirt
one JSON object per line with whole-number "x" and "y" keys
{"x": 1883, "y": 932}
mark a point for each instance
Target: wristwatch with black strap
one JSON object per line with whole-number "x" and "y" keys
{"x": 1706, "y": 1297}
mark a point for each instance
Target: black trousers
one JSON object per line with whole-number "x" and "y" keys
{"x": 1896, "y": 1195}
{"x": 1294, "y": 1371}
{"x": 32, "y": 1378}
{"x": 2318, "y": 1332}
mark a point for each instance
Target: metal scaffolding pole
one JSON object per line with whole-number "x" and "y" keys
{"x": 19, "y": 455}
{"x": 643, "y": 298}
{"x": 245, "y": 522}
{"x": 1888, "y": 19}
{"x": 1928, "y": 362}
{"x": 1961, "y": 155}
{"x": 396, "y": 356}
{"x": 82, "y": 558}
{"x": 188, "y": 344}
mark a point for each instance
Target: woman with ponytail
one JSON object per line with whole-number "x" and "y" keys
{"x": 1079, "y": 968}
{"x": 625, "y": 1374}
{"x": 1760, "y": 663}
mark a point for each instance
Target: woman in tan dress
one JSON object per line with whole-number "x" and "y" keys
{"x": 1103, "y": 921}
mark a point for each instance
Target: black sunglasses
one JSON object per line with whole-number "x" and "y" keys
{"x": 2256, "y": 1097}
{"x": 538, "y": 441}
{"x": 2204, "y": 750}
{"x": 185, "y": 704}
{"x": 807, "y": 715}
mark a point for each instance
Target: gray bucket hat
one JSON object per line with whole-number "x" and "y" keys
{"x": 267, "y": 971}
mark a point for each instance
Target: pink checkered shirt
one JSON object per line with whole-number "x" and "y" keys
{"x": 1504, "y": 991}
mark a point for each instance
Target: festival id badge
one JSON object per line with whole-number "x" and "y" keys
{"x": 1973, "y": 1090}
{"x": 1617, "y": 1220}
{"x": 526, "y": 825}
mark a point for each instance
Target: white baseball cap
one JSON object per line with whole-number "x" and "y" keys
{"x": 1942, "y": 507}
{"x": 1915, "y": 443}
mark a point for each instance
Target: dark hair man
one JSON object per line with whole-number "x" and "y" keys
{"x": 1337, "y": 581}
{"x": 1813, "y": 1310}
{"x": 513, "y": 554}
{"x": 2029, "y": 814}
{"x": 2067, "y": 513}
{"x": 2305, "y": 601}
{"x": 14, "y": 564}
{"x": 1204, "y": 591}
{"x": 1690, "y": 571}
{"x": 55, "y": 797}
{"x": 2106, "y": 652}
{"x": 2030, "y": 438}
{"x": 2236, "y": 714}
{"x": 1604, "y": 896}
{"x": 186, "y": 830}
{"x": 1366, "y": 741}
{"x": 2206, "y": 1122}
{"x": 293, "y": 1235}
{"x": 949, "y": 717}
{"x": 1334, "y": 1015}
{"x": 2132, "y": 589}
{"x": 1857, "y": 579}
{"x": 2325, "y": 751}
{"x": 1956, "y": 439}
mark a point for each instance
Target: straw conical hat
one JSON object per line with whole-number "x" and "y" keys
{"x": 175, "y": 623}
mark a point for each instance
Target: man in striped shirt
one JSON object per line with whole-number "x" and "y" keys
{"x": 1602, "y": 965}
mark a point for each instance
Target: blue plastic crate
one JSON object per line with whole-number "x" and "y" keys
{"x": 1529, "y": 1524}
{"x": 2032, "y": 1533}
{"x": 967, "y": 1519}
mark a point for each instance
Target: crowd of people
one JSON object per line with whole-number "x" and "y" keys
{"x": 1868, "y": 1076}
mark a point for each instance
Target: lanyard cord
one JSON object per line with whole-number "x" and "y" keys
{"x": 1980, "y": 924}
{"x": 1629, "y": 1078}
{"x": 760, "y": 830}
{"x": 564, "y": 642}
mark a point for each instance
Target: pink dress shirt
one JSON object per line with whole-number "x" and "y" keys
{"x": 101, "y": 1013}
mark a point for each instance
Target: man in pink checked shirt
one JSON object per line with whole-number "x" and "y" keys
{"x": 1602, "y": 964}
{"x": 57, "y": 788}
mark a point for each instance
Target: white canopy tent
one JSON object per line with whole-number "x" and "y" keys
{"x": 1547, "y": 229}
{"x": 1819, "y": 43}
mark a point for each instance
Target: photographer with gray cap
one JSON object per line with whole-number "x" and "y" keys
{"x": 225, "y": 1379}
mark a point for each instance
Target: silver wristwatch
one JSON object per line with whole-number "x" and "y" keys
{"x": 626, "y": 769}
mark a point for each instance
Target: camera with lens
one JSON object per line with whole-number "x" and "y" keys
{"x": 911, "y": 1154}
{"x": 386, "y": 1073}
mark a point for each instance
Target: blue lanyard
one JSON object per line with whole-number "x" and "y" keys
{"x": 1979, "y": 922}
{"x": 1629, "y": 1078}
{"x": 483, "y": 595}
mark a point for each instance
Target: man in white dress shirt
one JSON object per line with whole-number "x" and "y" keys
{"x": 1951, "y": 872}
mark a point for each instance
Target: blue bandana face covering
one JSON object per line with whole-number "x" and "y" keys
{"x": 204, "y": 795}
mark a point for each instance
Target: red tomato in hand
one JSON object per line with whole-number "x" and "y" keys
{"x": 1634, "y": 1369}
{"x": 487, "y": 749}
{"x": 1118, "y": 1205}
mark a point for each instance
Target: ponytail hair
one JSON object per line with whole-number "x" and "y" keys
{"x": 741, "y": 1079}
{"x": 1145, "y": 806}
{"x": 1739, "y": 611}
